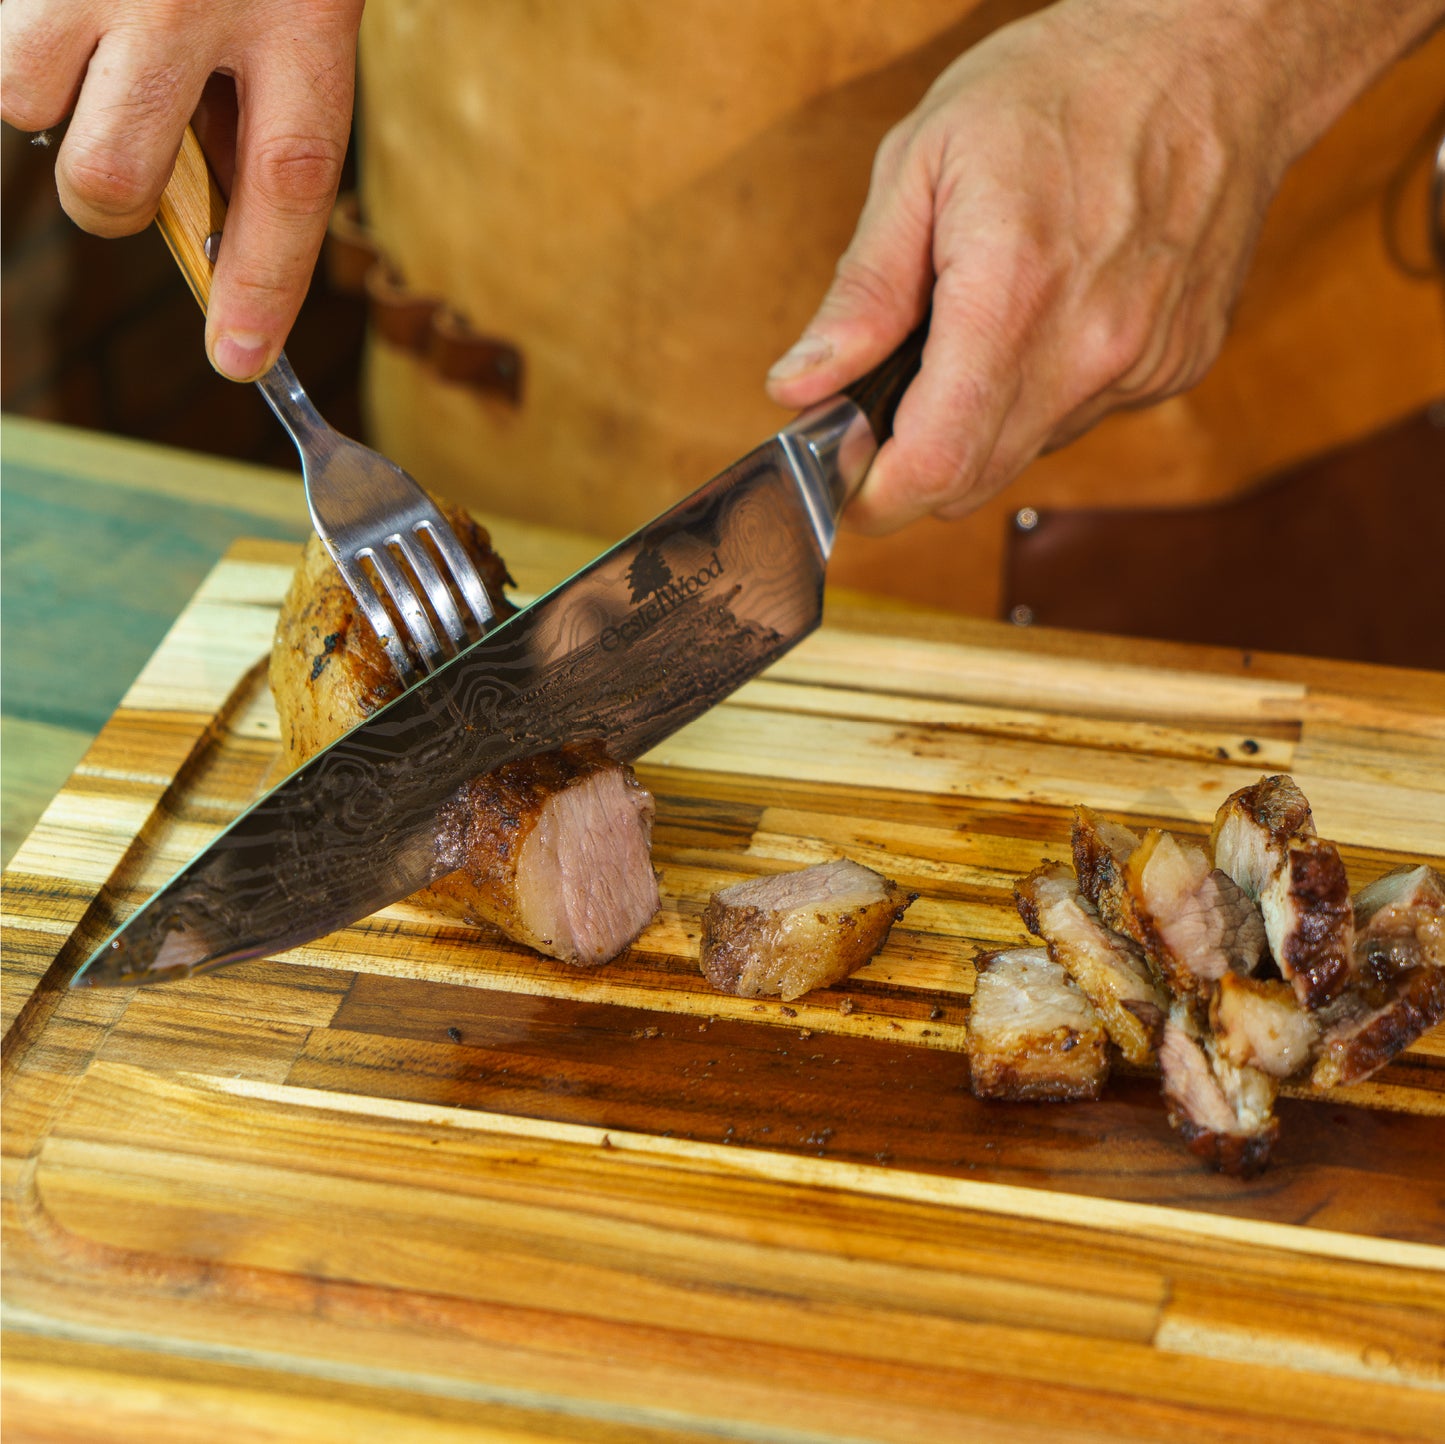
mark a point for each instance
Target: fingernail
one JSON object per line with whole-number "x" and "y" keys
{"x": 239, "y": 354}
{"x": 807, "y": 355}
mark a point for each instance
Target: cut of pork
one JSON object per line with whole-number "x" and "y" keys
{"x": 1109, "y": 968}
{"x": 1032, "y": 1034}
{"x": 1101, "y": 848}
{"x": 552, "y": 850}
{"x": 1261, "y": 1024}
{"x": 1397, "y": 993}
{"x": 1309, "y": 920}
{"x": 789, "y": 933}
{"x": 1193, "y": 921}
{"x": 1253, "y": 828}
{"x": 1371, "y": 1025}
{"x": 555, "y": 851}
{"x": 328, "y": 669}
{"x": 1400, "y": 923}
{"x": 1224, "y": 1112}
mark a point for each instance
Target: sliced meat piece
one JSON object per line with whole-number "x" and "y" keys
{"x": 1260, "y": 1024}
{"x": 555, "y": 851}
{"x": 1101, "y": 848}
{"x": 1109, "y": 968}
{"x": 1032, "y": 1034}
{"x": 1309, "y": 920}
{"x": 328, "y": 670}
{"x": 789, "y": 933}
{"x": 1253, "y": 828}
{"x": 1400, "y": 923}
{"x": 1193, "y": 921}
{"x": 1371, "y": 1025}
{"x": 1224, "y": 1112}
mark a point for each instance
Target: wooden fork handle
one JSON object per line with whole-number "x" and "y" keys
{"x": 191, "y": 210}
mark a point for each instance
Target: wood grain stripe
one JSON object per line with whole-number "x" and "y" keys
{"x": 1108, "y": 1215}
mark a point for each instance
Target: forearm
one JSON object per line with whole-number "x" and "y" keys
{"x": 1310, "y": 59}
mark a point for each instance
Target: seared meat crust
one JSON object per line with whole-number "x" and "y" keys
{"x": 1109, "y": 968}
{"x": 328, "y": 670}
{"x": 1400, "y": 923}
{"x": 1309, "y": 920}
{"x": 1398, "y": 991}
{"x": 1379, "y": 1024}
{"x": 1101, "y": 849}
{"x": 554, "y": 851}
{"x": 1253, "y": 828}
{"x": 1223, "y": 1112}
{"x": 789, "y": 933}
{"x": 1193, "y": 922}
{"x": 1032, "y": 1034}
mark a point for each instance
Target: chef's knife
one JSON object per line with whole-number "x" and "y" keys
{"x": 641, "y": 641}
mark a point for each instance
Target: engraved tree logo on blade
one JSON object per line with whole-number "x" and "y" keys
{"x": 657, "y": 592}
{"x": 647, "y": 574}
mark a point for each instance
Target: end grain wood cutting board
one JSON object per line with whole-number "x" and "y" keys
{"x": 413, "y": 1182}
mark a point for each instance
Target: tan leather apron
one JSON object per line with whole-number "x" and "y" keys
{"x": 647, "y": 200}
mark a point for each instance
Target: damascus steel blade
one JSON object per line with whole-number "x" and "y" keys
{"x": 629, "y": 649}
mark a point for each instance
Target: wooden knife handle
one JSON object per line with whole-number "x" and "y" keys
{"x": 191, "y": 210}
{"x": 878, "y": 393}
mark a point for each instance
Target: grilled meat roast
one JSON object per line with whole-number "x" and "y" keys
{"x": 1371, "y": 1024}
{"x": 788, "y": 933}
{"x": 1101, "y": 850}
{"x": 1032, "y": 1034}
{"x": 328, "y": 670}
{"x": 1264, "y": 838}
{"x": 552, "y": 850}
{"x": 1400, "y": 923}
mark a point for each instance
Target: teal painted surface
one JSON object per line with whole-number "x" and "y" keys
{"x": 91, "y": 578}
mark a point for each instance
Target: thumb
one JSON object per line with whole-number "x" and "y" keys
{"x": 879, "y": 293}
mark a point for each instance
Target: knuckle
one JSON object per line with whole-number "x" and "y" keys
{"x": 860, "y": 286}
{"x": 297, "y": 175}
{"x": 27, "y": 111}
{"x": 1200, "y": 358}
{"x": 31, "y": 65}
{"x": 1113, "y": 346}
{"x": 105, "y": 189}
{"x": 888, "y": 158}
{"x": 936, "y": 473}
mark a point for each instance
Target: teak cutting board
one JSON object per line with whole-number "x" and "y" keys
{"x": 414, "y": 1183}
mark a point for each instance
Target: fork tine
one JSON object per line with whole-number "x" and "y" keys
{"x": 361, "y": 504}
{"x": 404, "y": 598}
{"x": 376, "y": 613}
{"x": 463, "y": 570}
{"x": 435, "y": 589}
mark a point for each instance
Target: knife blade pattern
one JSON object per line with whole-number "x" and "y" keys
{"x": 625, "y": 652}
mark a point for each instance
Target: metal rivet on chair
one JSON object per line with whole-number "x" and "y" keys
{"x": 1022, "y": 615}
{"x": 1026, "y": 518}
